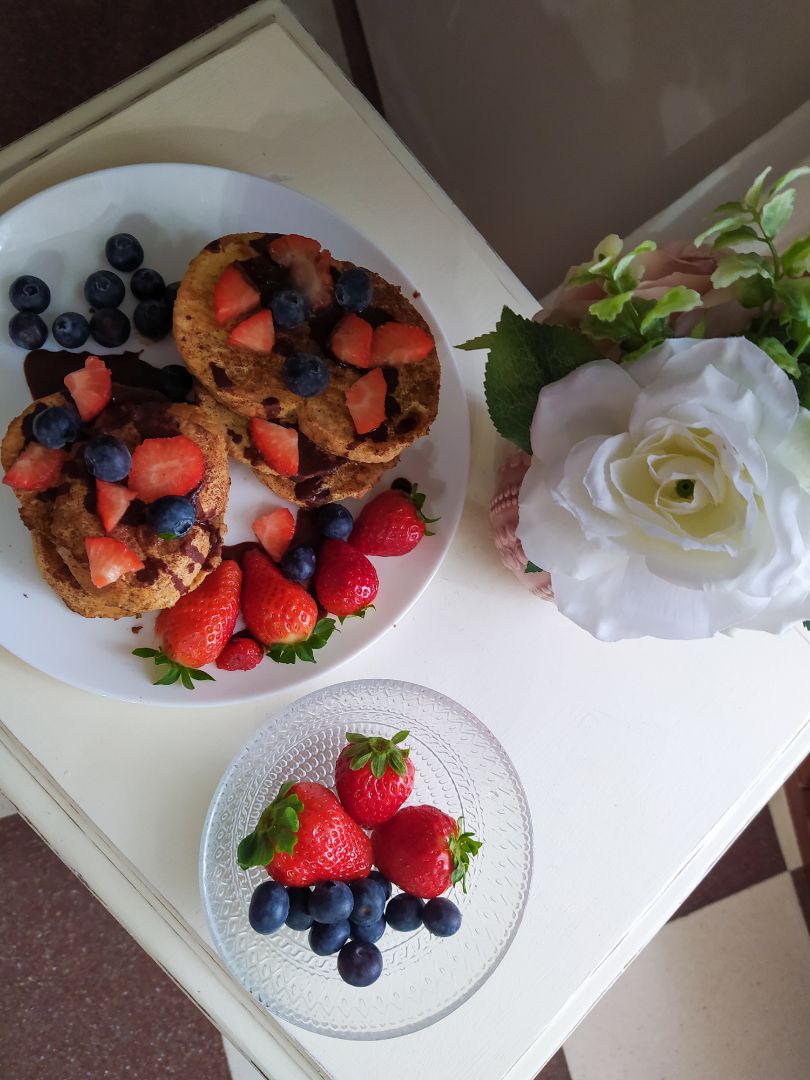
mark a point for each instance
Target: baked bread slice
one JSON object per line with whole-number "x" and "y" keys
{"x": 251, "y": 384}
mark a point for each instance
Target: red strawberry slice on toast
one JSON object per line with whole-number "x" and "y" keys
{"x": 36, "y": 469}
{"x": 310, "y": 268}
{"x": 365, "y": 400}
{"x": 90, "y": 387}
{"x": 172, "y": 466}
{"x": 234, "y": 296}
{"x": 274, "y": 531}
{"x": 305, "y": 836}
{"x": 277, "y": 444}
{"x": 351, "y": 341}
{"x": 256, "y": 333}
{"x": 109, "y": 560}
{"x": 112, "y": 502}
{"x": 397, "y": 343}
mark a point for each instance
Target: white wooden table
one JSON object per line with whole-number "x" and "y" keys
{"x": 642, "y": 761}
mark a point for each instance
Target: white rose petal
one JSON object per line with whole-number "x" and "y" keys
{"x": 671, "y": 497}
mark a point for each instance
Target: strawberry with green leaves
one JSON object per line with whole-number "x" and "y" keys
{"x": 393, "y": 523}
{"x": 373, "y": 776}
{"x": 280, "y": 613}
{"x": 195, "y": 631}
{"x": 423, "y": 851}
{"x": 305, "y": 836}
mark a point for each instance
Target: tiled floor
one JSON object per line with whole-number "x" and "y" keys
{"x": 722, "y": 993}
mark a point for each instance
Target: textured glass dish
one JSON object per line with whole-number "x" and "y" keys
{"x": 461, "y": 768}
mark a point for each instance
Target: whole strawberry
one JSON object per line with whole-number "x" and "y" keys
{"x": 373, "y": 777}
{"x": 345, "y": 581}
{"x": 393, "y": 523}
{"x": 279, "y": 612}
{"x": 305, "y": 836}
{"x": 195, "y": 631}
{"x": 423, "y": 850}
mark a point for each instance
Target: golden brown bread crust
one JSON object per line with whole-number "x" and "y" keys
{"x": 351, "y": 480}
{"x": 61, "y": 518}
{"x": 251, "y": 385}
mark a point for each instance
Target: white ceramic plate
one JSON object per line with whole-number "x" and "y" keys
{"x": 461, "y": 768}
{"x": 174, "y": 210}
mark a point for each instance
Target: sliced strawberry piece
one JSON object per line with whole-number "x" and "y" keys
{"x": 397, "y": 343}
{"x": 285, "y": 250}
{"x": 256, "y": 333}
{"x": 109, "y": 560}
{"x": 274, "y": 531}
{"x": 278, "y": 445}
{"x": 90, "y": 387}
{"x": 161, "y": 467}
{"x": 351, "y": 341}
{"x": 366, "y": 401}
{"x": 36, "y": 469}
{"x": 310, "y": 268}
{"x": 112, "y": 502}
{"x": 234, "y": 296}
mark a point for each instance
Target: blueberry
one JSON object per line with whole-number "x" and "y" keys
{"x": 147, "y": 284}
{"x": 104, "y": 289}
{"x": 170, "y": 294}
{"x": 334, "y": 521}
{"x": 359, "y": 963}
{"x": 123, "y": 252}
{"x": 369, "y": 900}
{"x": 175, "y": 381}
{"x": 269, "y": 906}
{"x": 298, "y": 563}
{"x": 441, "y": 917}
{"x": 305, "y": 374}
{"x": 327, "y": 938}
{"x": 55, "y": 427}
{"x": 299, "y": 917}
{"x": 29, "y": 293}
{"x": 368, "y": 931}
{"x": 109, "y": 327}
{"x": 107, "y": 458}
{"x": 70, "y": 330}
{"x": 375, "y": 875}
{"x": 289, "y": 309}
{"x": 172, "y": 516}
{"x": 331, "y": 902}
{"x": 27, "y": 330}
{"x": 153, "y": 318}
{"x": 353, "y": 289}
{"x": 404, "y": 912}
{"x": 402, "y": 484}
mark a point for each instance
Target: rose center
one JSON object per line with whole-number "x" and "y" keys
{"x": 685, "y": 489}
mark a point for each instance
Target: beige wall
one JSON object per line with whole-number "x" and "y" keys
{"x": 553, "y": 122}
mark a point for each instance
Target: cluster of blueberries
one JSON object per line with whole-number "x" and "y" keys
{"x": 306, "y": 374}
{"x": 349, "y": 919}
{"x": 334, "y": 522}
{"x": 104, "y": 291}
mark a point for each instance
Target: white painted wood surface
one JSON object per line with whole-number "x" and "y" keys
{"x": 642, "y": 761}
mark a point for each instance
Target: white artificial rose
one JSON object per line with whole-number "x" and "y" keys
{"x": 671, "y": 497}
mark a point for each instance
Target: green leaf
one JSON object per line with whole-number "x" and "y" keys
{"x": 357, "y": 763}
{"x": 674, "y": 300}
{"x": 790, "y": 176}
{"x": 777, "y": 211}
{"x": 806, "y": 624}
{"x": 754, "y": 194}
{"x": 753, "y": 292}
{"x": 526, "y": 357}
{"x": 780, "y": 356}
{"x": 462, "y": 847}
{"x": 610, "y": 307}
{"x": 698, "y": 330}
{"x": 796, "y": 256}
{"x": 739, "y": 264}
{"x": 608, "y": 247}
{"x": 636, "y": 354}
{"x": 739, "y": 235}
{"x": 397, "y": 762}
{"x": 145, "y": 652}
{"x": 726, "y": 207}
{"x": 187, "y": 681}
{"x": 378, "y": 764}
{"x": 282, "y": 654}
{"x": 304, "y": 652}
{"x": 795, "y": 295}
{"x": 483, "y": 341}
{"x": 171, "y": 676}
{"x": 723, "y": 225}
{"x": 200, "y": 676}
{"x": 355, "y": 737}
{"x": 400, "y": 736}
{"x": 276, "y": 831}
{"x": 532, "y": 568}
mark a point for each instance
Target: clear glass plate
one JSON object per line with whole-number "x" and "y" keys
{"x": 462, "y": 769}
